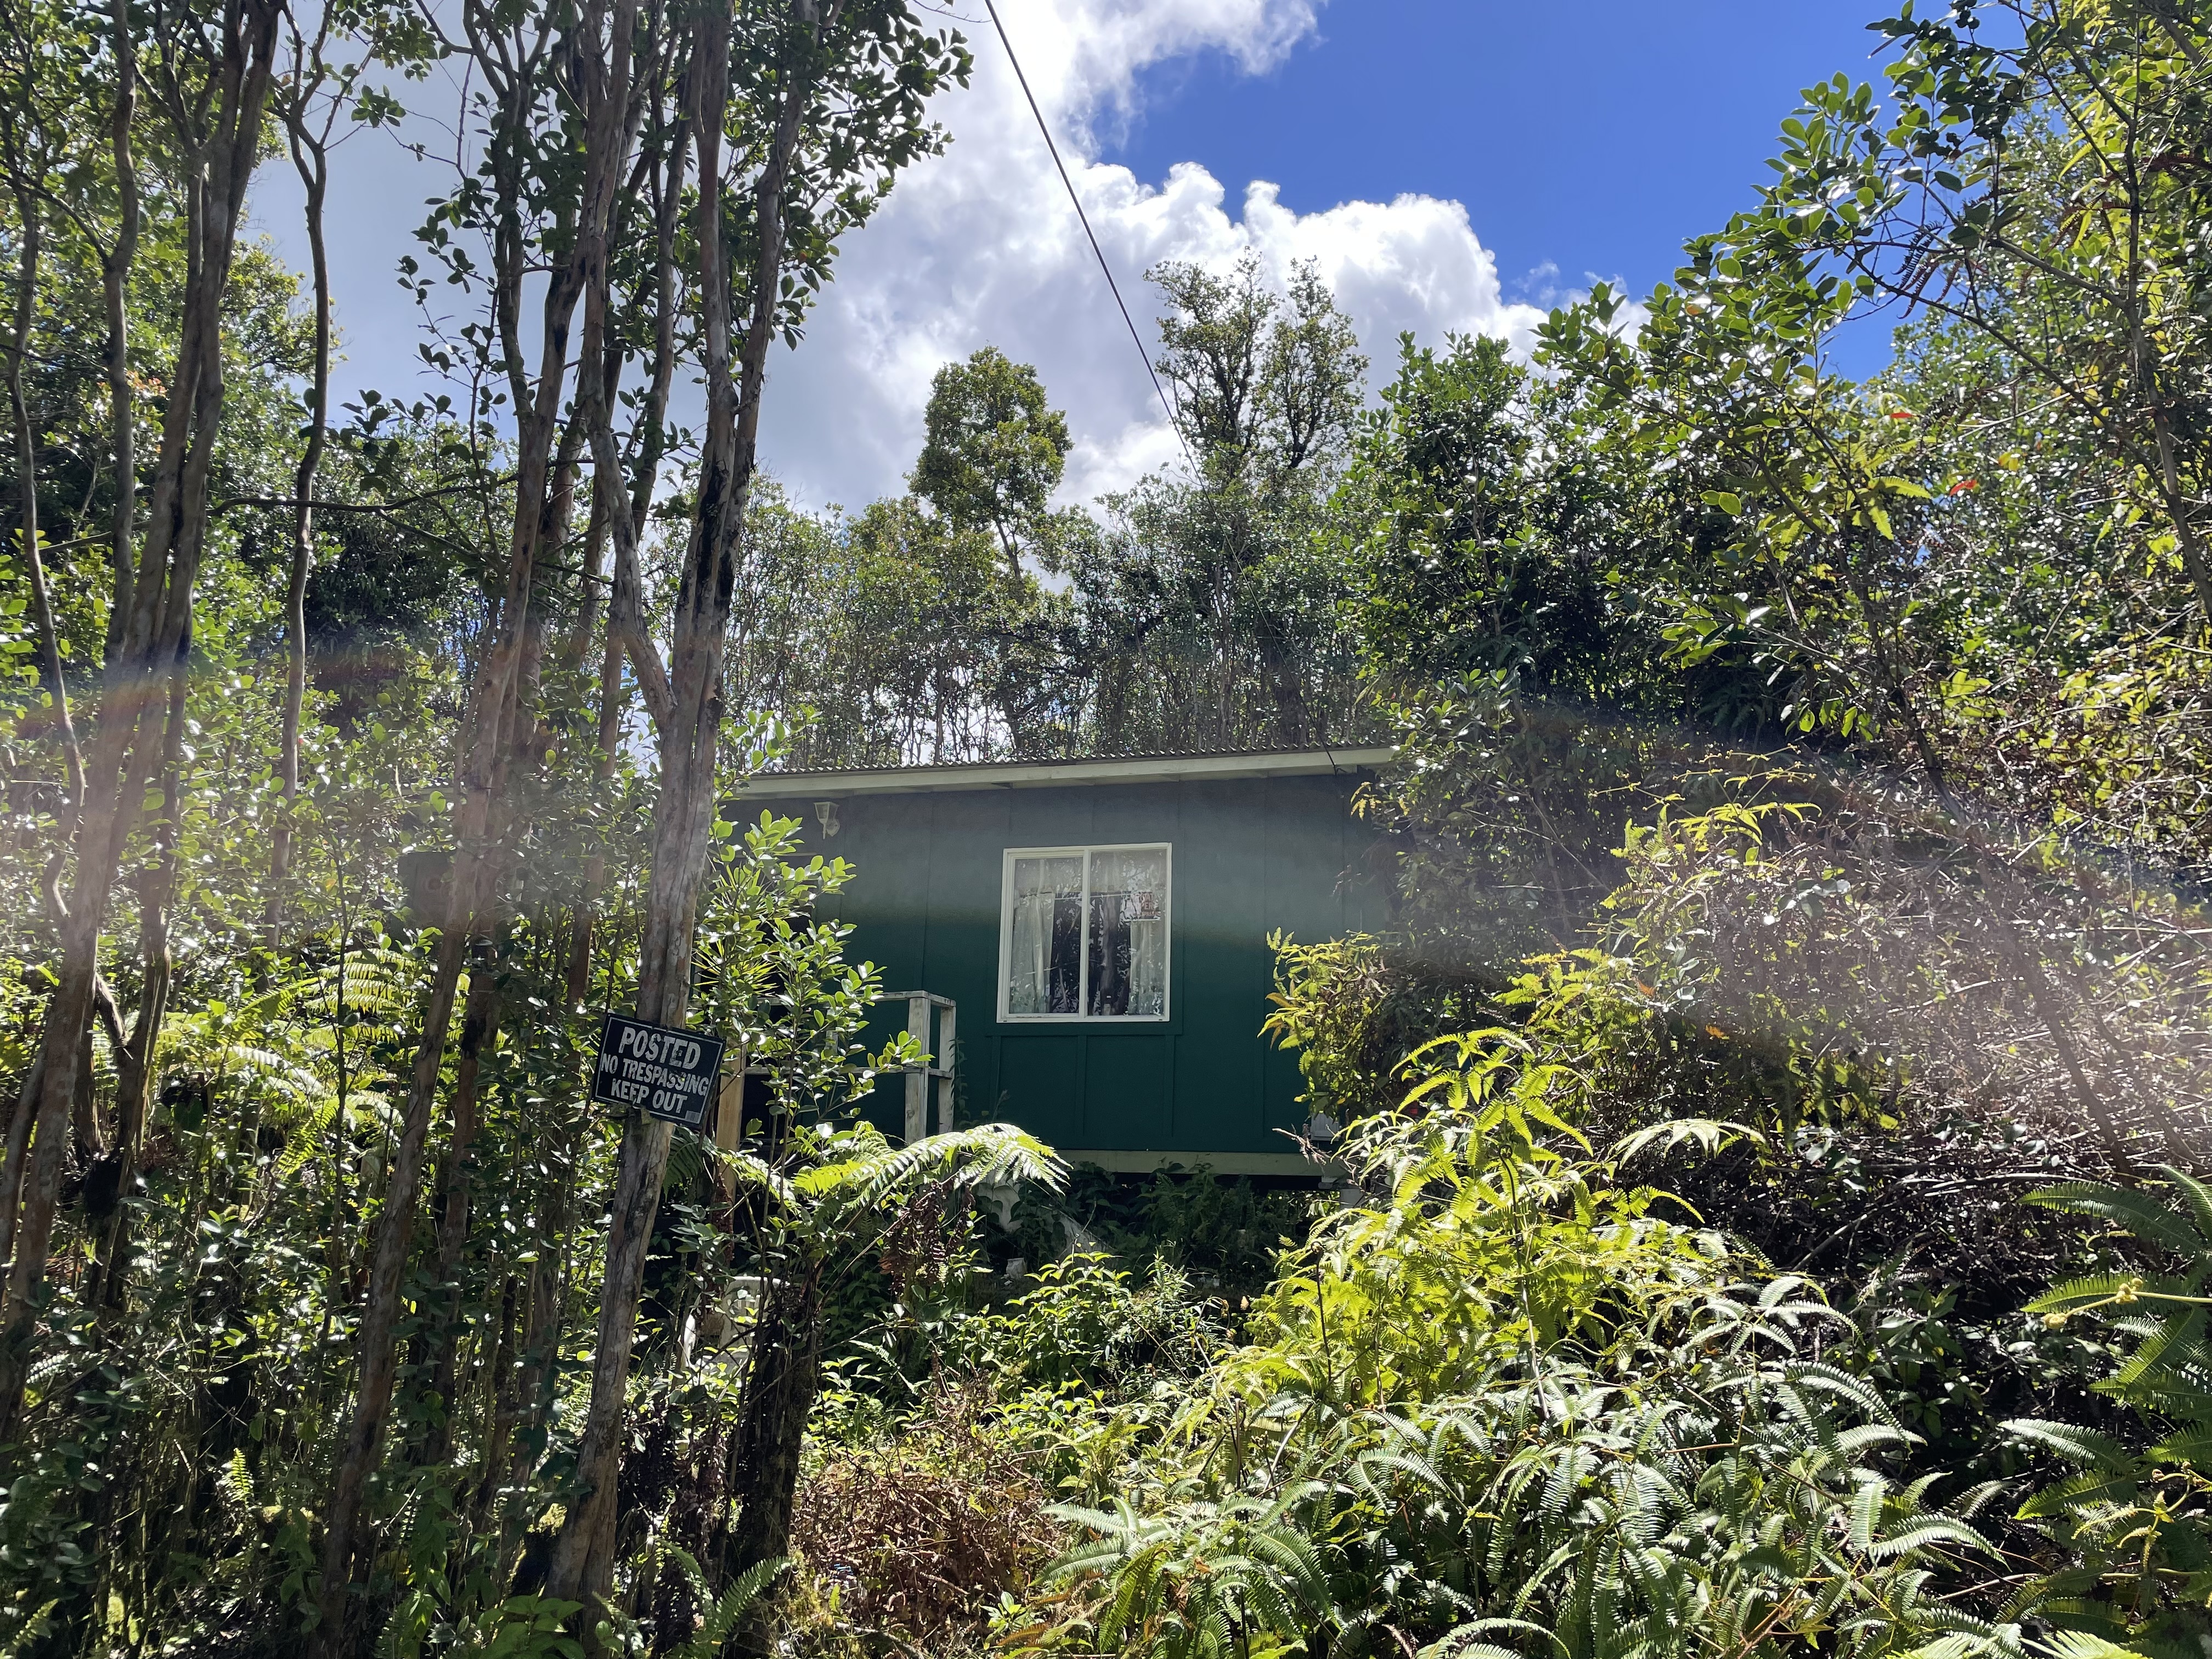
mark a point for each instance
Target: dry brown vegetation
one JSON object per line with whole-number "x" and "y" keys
{"x": 907, "y": 1546}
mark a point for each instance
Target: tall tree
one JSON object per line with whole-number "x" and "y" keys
{"x": 1266, "y": 385}
{"x": 2037, "y": 177}
{"x": 994, "y": 449}
{"x": 211, "y": 90}
{"x": 312, "y": 99}
{"x": 534, "y": 65}
{"x": 1211, "y": 618}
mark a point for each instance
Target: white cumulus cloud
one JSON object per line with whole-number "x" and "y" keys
{"x": 979, "y": 245}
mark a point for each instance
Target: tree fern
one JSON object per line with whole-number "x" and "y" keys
{"x": 1648, "y": 1467}
{"x": 872, "y": 1169}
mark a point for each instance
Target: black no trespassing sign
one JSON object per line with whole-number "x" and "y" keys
{"x": 665, "y": 1074}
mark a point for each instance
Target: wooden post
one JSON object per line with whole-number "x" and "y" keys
{"x": 730, "y": 1124}
{"x": 946, "y": 1013}
{"x": 917, "y": 1078}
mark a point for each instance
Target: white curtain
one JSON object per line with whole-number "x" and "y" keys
{"x": 1044, "y": 953}
{"x": 1128, "y": 942}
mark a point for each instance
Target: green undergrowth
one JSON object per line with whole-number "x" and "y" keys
{"x": 1561, "y": 1371}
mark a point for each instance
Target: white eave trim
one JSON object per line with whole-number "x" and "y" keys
{"x": 1047, "y": 775}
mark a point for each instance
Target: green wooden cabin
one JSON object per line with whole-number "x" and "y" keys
{"x": 1099, "y": 929}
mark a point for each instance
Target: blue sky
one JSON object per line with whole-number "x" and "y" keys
{"x": 1593, "y": 137}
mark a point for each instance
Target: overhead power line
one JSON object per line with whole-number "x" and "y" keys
{"x": 1107, "y": 270}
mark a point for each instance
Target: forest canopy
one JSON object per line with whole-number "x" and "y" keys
{"x": 1757, "y": 1201}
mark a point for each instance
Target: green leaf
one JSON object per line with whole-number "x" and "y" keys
{"x": 2198, "y": 1197}
{"x": 2192, "y": 1448}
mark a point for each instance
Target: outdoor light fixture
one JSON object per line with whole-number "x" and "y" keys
{"x": 825, "y": 813}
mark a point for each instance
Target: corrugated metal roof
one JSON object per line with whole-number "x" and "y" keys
{"x": 1097, "y": 769}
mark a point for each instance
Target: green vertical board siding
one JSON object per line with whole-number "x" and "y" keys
{"x": 1306, "y": 853}
{"x": 1250, "y": 856}
{"x": 1125, "y": 1100}
{"x": 1221, "y": 932}
{"x": 967, "y": 834}
{"x": 1039, "y": 1078}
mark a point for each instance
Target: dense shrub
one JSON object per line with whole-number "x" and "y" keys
{"x": 1223, "y": 1231}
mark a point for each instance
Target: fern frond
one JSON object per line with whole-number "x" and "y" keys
{"x": 1920, "y": 1535}
{"x": 2138, "y": 1213}
{"x": 1475, "y": 1628}
{"x": 1453, "y": 1646}
{"x": 2073, "y": 1443}
{"x": 2197, "y": 1196}
{"x": 1959, "y": 1644}
{"x": 1710, "y": 1135}
{"x": 722, "y": 1618}
{"x": 2106, "y": 1287}
{"x": 237, "y": 1481}
{"x": 2083, "y": 1644}
{"x": 2078, "y": 1492}
{"x": 264, "y": 1068}
{"x": 1829, "y": 1380}
{"x": 988, "y": 1155}
{"x": 2191, "y": 1448}
{"x": 1866, "y": 1513}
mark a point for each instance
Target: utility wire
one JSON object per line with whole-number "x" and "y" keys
{"x": 1166, "y": 408}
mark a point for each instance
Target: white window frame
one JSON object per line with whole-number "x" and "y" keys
{"x": 1166, "y": 850}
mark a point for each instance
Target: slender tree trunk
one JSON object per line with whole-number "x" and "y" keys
{"x": 479, "y": 1031}
{"x": 312, "y": 159}
{"x": 517, "y": 1439}
{"x": 2179, "y": 509}
{"x": 583, "y": 1565}
{"x": 783, "y": 1377}
{"x": 114, "y": 273}
{"x": 617, "y": 516}
{"x": 18, "y": 1140}
{"x": 591, "y": 601}
{"x": 595, "y": 866}
{"x": 87, "y": 1132}
{"x": 27, "y": 479}
{"x": 48, "y": 636}
{"x": 377, "y": 1354}
{"x": 498, "y": 1422}
{"x": 134, "y": 1060}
